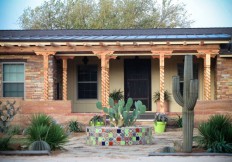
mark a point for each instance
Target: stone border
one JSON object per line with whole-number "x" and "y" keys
{"x": 113, "y": 136}
{"x": 36, "y": 153}
{"x": 189, "y": 154}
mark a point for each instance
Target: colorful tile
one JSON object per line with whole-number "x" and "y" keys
{"x": 118, "y": 136}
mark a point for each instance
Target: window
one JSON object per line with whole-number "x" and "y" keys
{"x": 87, "y": 82}
{"x": 13, "y": 80}
{"x": 180, "y": 68}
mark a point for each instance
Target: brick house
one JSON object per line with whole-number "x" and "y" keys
{"x": 65, "y": 72}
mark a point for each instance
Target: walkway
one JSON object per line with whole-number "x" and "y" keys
{"x": 76, "y": 150}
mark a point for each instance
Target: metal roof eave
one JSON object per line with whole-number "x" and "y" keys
{"x": 121, "y": 38}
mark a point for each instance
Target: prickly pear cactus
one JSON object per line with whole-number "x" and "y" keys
{"x": 7, "y": 113}
{"x": 187, "y": 101}
{"x": 39, "y": 145}
{"x": 120, "y": 114}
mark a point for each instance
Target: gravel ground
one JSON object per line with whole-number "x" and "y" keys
{"x": 77, "y": 150}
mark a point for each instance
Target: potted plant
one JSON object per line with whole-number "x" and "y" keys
{"x": 160, "y": 121}
{"x": 116, "y": 95}
{"x": 167, "y": 99}
{"x": 97, "y": 120}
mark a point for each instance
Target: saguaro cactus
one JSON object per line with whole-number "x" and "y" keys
{"x": 187, "y": 101}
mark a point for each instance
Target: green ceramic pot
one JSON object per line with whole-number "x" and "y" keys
{"x": 99, "y": 124}
{"x": 159, "y": 127}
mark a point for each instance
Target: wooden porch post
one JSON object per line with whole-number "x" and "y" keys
{"x": 105, "y": 84}
{"x": 64, "y": 76}
{"x": 45, "y": 65}
{"x": 207, "y": 77}
{"x": 206, "y": 55}
{"x": 162, "y": 55}
{"x": 161, "y": 63}
{"x": 64, "y": 60}
{"x": 105, "y": 56}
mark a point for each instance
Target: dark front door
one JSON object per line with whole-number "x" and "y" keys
{"x": 138, "y": 80}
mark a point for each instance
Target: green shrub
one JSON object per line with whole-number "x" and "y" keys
{"x": 44, "y": 128}
{"x": 4, "y": 142}
{"x": 74, "y": 126}
{"x": 41, "y": 119}
{"x": 215, "y": 135}
{"x": 179, "y": 121}
{"x": 14, "y": 130}
{"x": 96, "y": 119}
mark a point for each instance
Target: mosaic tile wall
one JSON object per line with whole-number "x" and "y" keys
{"x": 111, "y": 136}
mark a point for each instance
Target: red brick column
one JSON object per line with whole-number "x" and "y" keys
{"x": 223, "y": 78}
{"x": 45, "y": 65}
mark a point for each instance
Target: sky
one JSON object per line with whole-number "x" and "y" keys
{"x": 205, "y": 13}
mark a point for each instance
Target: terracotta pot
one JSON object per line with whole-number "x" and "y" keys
{"x": 166, "y": 107}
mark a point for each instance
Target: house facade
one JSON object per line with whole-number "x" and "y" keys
{"x": 67, "y": 71}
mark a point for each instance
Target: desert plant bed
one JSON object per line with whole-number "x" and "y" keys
{"x": 113, "y": 136}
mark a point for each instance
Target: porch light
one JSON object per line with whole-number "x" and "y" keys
{"x": 85, "y": 60}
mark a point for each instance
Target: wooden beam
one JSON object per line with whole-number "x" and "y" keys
{"x": 118, "y": 44}
{"x": 8, "y": 45}
{"x": 87, "y": 44}
{"x": 102, "y": 44}
{"x": 70, "y": 44}
{"x": 54, "y": 44}
{"x": 40, "y": 45}
{"x": 135, "y": 44}
{"x": 117, "y": 47}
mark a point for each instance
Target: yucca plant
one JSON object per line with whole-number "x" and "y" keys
{"x": 14, "y": 130}
{"x": 44, "y": 128}
{"x": 74, "y": 126}
{"x": 215, "y": 135}
{"x": 4, "y": 142}
{"x": 41, "y": 119}
{"x": 116, "y": 95}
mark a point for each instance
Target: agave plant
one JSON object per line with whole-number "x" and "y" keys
{"x": 44, "y": 128}
{"x": 74, "y": 126}
{"x": 215, "y": 135}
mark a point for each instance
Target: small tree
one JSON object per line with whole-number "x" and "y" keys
{"x": 105, "y": 14}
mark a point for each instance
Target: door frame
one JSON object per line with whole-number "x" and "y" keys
{"x": 149, "y": 107}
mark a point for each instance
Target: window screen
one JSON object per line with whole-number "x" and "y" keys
{"x": 13, "y": 80}
{"x": 87, "y": 82}
{"x": 180, "y": 68}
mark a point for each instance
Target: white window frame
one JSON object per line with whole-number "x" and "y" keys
{"x": 10, "y": 63}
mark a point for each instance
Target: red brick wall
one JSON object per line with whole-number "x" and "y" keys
{"x": 59, "y": 110}
{"x": 52, "y": 71}
{"x": 224, "y": 78}
{"x": 34, "y": 75}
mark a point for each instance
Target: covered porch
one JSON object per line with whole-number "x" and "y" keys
{"x": 114, "y": 54}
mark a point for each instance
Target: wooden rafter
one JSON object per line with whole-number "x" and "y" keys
{"x": 119, "y": 47}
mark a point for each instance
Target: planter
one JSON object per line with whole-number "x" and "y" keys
{"x": 159, "y": 127}
{"x": 166, "y": 106}
{"x": 113, "y": 136}
{"x": 97, "y": 124}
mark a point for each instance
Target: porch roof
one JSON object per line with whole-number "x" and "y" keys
{"x": 165, "y": 34}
